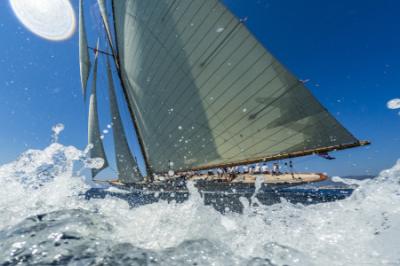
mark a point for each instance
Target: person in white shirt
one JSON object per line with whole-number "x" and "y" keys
{"x": 257, "y": 169}
{"x": 245, "y": 169}
{"x": 264, "y": 168}
{"x": 275, "y": 169}
{"x": 237, "y": 170}
{"x": 220, "y": 172}
{"x": 251, "y": 169}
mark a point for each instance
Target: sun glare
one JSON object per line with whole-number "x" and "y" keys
{"x": 50, "y": 19}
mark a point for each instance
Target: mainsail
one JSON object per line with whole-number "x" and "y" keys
{"x": 206, "y": 93}
{"x": 94, "y": 135}
{"x": 84, "y": 60}
{"x": 126, "y": 164}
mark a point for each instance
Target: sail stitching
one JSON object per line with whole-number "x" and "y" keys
{"x": 227, "y": 129}
{"x": 168, "y": 52}
{"x": 146, "y": 36}
{"x": 243, "y": 117}
{"x": 155, "y": 57}
{"x": 210, "y": 76}
{"x": 269, "y": 137}
{"x": 168, "y": 10}
{"x": 179, "y": 68}
{"x": 137, "y": 51}
{"x": 232, "y": 69}
{"x": 223, "y": 63}
{"x": 217, "y": 136}
{"x": 153, "y": 34}
{"x": 282, "y": 141}
{"x": 191, "y": 83}
{"x": 319, "y": 123}
{"x": 221, "y": 44}
{"x": 280, "y": 97}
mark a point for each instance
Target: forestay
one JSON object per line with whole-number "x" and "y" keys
{"x": 205, "y": 92}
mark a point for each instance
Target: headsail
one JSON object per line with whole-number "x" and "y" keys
{"x": 205, "y": 92}
{"x": 94, "y": 135}
{"x": 126, "y": 164}
{"x": 84, "y": 60}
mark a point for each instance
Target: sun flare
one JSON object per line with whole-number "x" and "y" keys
{"x": 50, "y": 19}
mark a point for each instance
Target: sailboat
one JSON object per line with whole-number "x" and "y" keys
{"x": 203, "y": 94}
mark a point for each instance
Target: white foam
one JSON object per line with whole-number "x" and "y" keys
{"x": 363, "y": 229}
{"x": 57, "y": 129}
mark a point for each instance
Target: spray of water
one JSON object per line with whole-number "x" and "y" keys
{"x": 41, "y": 184}
{"x": 57, "y": 129}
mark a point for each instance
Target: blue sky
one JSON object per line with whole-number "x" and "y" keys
{"x": 348, "y": 49}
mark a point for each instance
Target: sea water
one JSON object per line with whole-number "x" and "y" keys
{"x": 44, "y": 219}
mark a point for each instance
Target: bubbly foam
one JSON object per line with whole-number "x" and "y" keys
{"x": 363, "y": 229}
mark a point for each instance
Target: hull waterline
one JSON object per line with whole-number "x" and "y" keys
{"x": 223, "y": 196}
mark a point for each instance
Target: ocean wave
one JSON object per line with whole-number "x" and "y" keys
{"x": 45, "y": 219}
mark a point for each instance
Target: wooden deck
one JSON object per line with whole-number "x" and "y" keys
{"x": 245, "y": 179}
{"x": 290, "y": 178}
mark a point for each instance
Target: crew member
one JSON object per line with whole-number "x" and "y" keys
{"x": 275, "y": 169}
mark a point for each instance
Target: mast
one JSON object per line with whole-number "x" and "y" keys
{"x": 149, "y": 171}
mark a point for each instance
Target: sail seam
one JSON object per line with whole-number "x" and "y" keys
{"x": 168, "y": 10}
{"x": 220, "y": 45}
{"x": 210, "y": 76}
{"x": 278, "y": 132}
{"x": 199, "y": 103}
{"x": 179, "y": 68}
{"x": 233, "y": 97}
{"x": 244, "y": 140}
{"x": 285, "y": 139}
{"x": 249, "y": 68}
{"x": 138, "y": 52}
{"x": 152, "y": 34}
{"x": 168, "y": 52}
{"x": 155, "y": 57}
{"x": 192, "y": 82}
